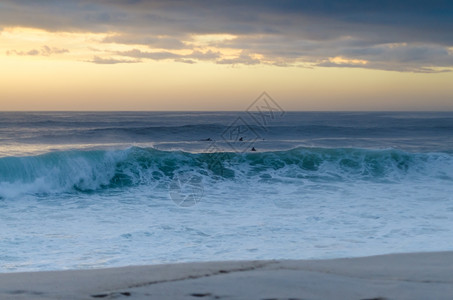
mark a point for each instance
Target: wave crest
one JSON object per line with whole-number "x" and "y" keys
{"x": 90, "y": 171}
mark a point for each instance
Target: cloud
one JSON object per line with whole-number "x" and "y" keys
{"x": 44, "y": 51}
{"x": 111, "y": 61}
{"x": 164, "y": 55}
{"x": 243, "y": 58}
{"x": 399, "y": 57}
{"x": 186, "y": 61}
{"x": 54, "y": 50}
{"x": 151, "y": 41}
{"x": 136, "y": 53}
{"x": 208, "y": 55}
{"x": 287, "y": 32}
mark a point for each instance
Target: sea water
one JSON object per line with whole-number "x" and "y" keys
{"x": 103, "y": 189}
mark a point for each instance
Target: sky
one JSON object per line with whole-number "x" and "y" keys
{"x": 221, "y": 55}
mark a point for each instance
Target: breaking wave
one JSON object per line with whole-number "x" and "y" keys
{"x": 98, "y": 170}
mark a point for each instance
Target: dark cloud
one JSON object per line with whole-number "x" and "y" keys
{"x": 151, "y": 41}
{"x": 188, "y": 58}
{"x": 409, "y": 35}
{"x": 44, "y": 51}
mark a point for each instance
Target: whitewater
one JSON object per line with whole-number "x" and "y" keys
{"x": 92, "y": 189}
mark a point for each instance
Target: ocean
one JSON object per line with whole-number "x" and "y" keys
{"x": 101, "y": 189}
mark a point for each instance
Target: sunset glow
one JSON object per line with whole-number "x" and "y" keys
{"x": 91, "y": 58}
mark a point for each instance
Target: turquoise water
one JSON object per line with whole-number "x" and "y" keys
{"x": 86, "y": 190}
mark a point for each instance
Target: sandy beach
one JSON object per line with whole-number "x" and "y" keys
{"x": 396, "y": 276}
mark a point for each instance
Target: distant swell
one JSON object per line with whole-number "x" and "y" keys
{"x": 91, "y": 171}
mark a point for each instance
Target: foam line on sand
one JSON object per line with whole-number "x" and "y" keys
{"x": 396, "y": 276}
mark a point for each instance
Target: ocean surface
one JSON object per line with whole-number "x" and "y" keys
{"x": 103, "y": 189}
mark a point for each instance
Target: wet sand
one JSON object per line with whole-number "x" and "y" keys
{"x": 396, "y": 276}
